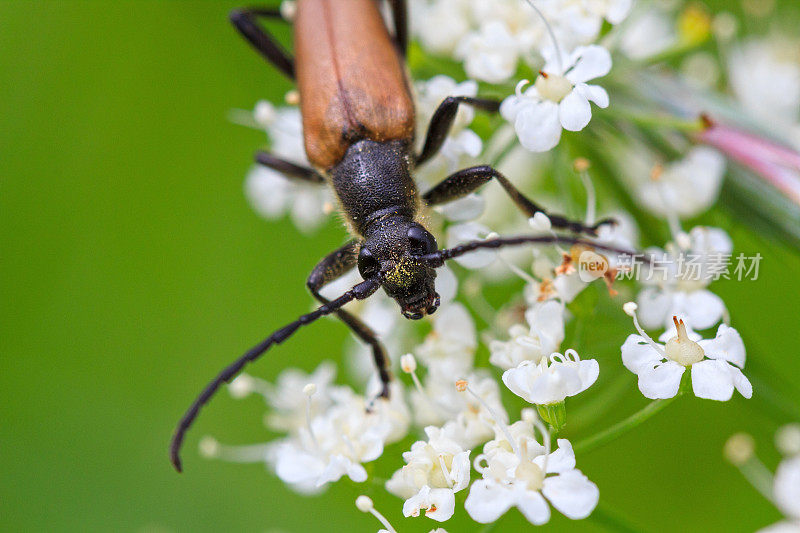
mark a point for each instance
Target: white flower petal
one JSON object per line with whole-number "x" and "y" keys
{"x": 464, "y": 209}
{"x": 638, "y": 355}
{"x": 356, "y": 472}
{"x": 547, "y": 322}
{"x": 572, "y": 494}
{"x": 487, "y": 501}
{"x": 568, "y": 286}
{"x": 588, "y": 371}
{"x": 786, "y": 488}
{"x": 618, "y": 10}
{"x": 538, "y": 126}
{"x": 561, "y": 460}
{"x": 705, "y": 239}
{"x": 459, "y": 471}
{"x": 298, "y": 467}
{"x": 533, "y": 507}
{"x": 445, "y": 503}
{"x": 741, "y": 382}
{"x": 338, "y": 465}
{"x": 516, "y": 379}
{"x": 712, "y": 379}
{"x": 470, "y": 231}
{"x": 703, "y": 308}
{"x": 661, "y": 381}
{"x": 446, "y": 285}
{"x": 512, "y": 105}
{"x": 574, "y": 111}
{"x": 654, "y": 307}
{"x": 268, "y": 191}
{"x": 552, "y": 62}
{"x": 592, "y": 62}
{"x": 593, "y": 93}
{"x": 489, "y": 54}
{"x": 727, "y": 345}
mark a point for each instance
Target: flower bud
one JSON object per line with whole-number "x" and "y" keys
{"x": 630, "y": 308}
{"x": 581, "y": 164}
{"x": 739, "y": 448}
{"x": 787, "y": 439}
{"x": 241, "y": 386}
{"x": 408, "y": 363}
{"x": 540, "y": 222}
{"x": 264, "y": 113}
{"x": 209, "y": 447}
{"x": 364, "y": 503}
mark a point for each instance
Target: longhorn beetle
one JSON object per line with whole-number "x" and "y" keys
{"x": 358, "y": 129}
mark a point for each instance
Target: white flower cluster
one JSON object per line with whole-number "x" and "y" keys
{"x": 331, "y": 429}
{"x": 492, "y": 37}
{"x": 460, "y": 437}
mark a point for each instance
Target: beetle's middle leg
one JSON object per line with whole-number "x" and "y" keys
{"x": 468, "y": 180}
{"x": 246, "y": 21}
{"x": 443, "y": 118}
{"x": 332, "y": 267}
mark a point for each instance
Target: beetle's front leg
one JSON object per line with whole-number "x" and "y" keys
{"x": 246, "y": 21}
{"x": 289, "y": 169}
{"x": 332, "y": 267}
{"x": 468, "y": 180}
{"x": 442, "y": 122}
{"x": 399, "y": 10}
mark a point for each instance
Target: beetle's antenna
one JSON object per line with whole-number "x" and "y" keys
{"x": 437, "y": 258}
{"x": 358, "y": 292}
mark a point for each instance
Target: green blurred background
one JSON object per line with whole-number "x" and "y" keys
{"x": 132, "y": 269}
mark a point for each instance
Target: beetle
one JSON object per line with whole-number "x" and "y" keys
{"x": 358, "y": 128}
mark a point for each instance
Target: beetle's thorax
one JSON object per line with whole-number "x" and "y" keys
{"x": 373, "y": 182}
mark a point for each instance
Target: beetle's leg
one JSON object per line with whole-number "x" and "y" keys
{"x": 443, "y": 118}
{"x": 400, "y": 20}
{"x": 332, "y": 267}
{"x": 246, "y": 21}
{"x": 468, "y": 180}
{"x": 289, "y": 169}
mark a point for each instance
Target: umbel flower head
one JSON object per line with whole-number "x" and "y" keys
{"x": 679, "y": 280}
{"x": 715, "y": 363}
{"x": 518, "y": 471}
{"x": 553, "y": 378}
{"x": 435, "y": 470}
{"x": 539, "y": 338}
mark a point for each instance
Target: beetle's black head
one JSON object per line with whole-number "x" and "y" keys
{"x": 390, "y": 246}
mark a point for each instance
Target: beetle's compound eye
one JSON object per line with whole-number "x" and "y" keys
{"x": 368, "y": 266}
{"x": 421, "y": 241}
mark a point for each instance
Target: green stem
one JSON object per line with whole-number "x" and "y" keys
{"x": 758, "y": 475}
{"x": 620, "y": 428}
{"x": 652, "y": 121}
